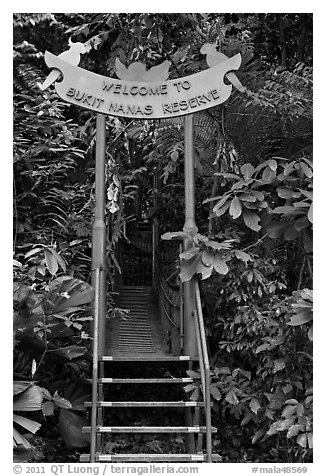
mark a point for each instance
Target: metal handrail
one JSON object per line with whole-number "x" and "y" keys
{"x": 204, "y": 368}
{"x": 165, "y": 295}
{"x": 95, "y": 363}
{"x": 169, "y": 303}
{"x": 169, "y": 318}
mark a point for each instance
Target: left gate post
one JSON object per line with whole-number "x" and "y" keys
{"x": 99, "y": 231}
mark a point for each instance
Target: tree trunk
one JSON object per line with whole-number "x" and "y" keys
{"x": 302, "y": 39}
{"x": 282, "y": 40}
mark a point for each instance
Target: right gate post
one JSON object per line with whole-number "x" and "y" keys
{"x": 189, "y": 343}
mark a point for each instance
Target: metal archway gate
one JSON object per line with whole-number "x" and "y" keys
{"x": 141, "y": 94}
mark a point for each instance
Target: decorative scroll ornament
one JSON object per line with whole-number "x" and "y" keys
{"x": 140, "y": 93}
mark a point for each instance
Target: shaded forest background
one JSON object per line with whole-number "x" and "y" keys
{"x": 253, "y": 249}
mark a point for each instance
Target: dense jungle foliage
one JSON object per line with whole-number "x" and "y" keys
{"x": 253, "y": 249}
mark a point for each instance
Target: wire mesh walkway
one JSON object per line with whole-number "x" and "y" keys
{"x": 141, "y": 333}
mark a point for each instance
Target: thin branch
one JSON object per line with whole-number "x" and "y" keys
{"x": 255, "y": 244}
{"x": 301, "y": 273}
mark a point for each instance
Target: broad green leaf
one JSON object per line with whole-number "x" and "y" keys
{"x": 262, "y": 348}
{"x": 235, "y": 208}
{"x": 28, "y": 401}
{"x": 287, "y": 193}
{"x": 286, "y": 210}
{"x": 310, "y": 333}
{"x": 224, "y": 245}
{"x": 51, "y": 262}
{"x": 33, "y": 252}
{"x": 48, "y": 408}
{"x": 268, "y": 175}
{"x": 70, "y": 426}
{"x": 269, "y": 413}
{"x": 276, "y": 229}
{"x": 307, "y": 193}
{"x": 189, "y": 388}
{"x": 189, "y": 253}
{"x": 70, "y": 352}
{"x": 254, "y": 405}
{"x": 77, "y": 392}
{"x": 272, "y": 164}
{"x": 220, "y": 210}
{"x": 306, "y": 170}
{"x": 247, "y": 419}
{"x": 231, "y": 397}
{"x": 302, "y": 440}
{"x": 247, "y": 170}
{"x": 208, "y": 257}
{"x": 29, "y": 425}
{"x": 226, "y": 175}
{"x": 287, "y": 388}
{"x": 310, "y": 439}
{"x": 220, "y": 266}
{"x": 274, "y": 428}
{"x": 195, "y": 395}
{"x": 289, "y": 167}
{"x": 285, "y": 424}
{"x": 20, "y": 386}
{"x": 206, "y": 271}
{"x": 251, "y": 219}
{"x": 307, "y": 293}
{"x": 60, "y": 401}
{"x": 181, "y": 235}
{"x": 21, "y": 454}
{"x": 242, "y": 255}
{"x": 257, "y": 436}
{"x": 307, "y": 241}
{"x": 222, "y": 371}
{"x": 300, "y": 319}
{"x": 222, "y": 199}
{"x": 77, "y": 291}
{"x": 310, "y": 214}
{"x": 242, "y": 183}
{"x": 291, "y": 233}
{"x": 247, "y": 197}
{"x": 289, "y": 411}
{"x": 193, "y": 374}
{"x": 259, "y": 195}
{"x": 60, "y": 260}
{"x": 216, "y": 394}
{"x": 300, "y": 410}
{"x": 279, "y": 365}
{"x": 301, "y": 223}
{"x": 188, "y": 268}
{"x": 19, "y": 440}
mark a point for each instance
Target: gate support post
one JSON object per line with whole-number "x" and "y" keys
{"x": 190, "y": 345}
{"x": 99, "y": 229}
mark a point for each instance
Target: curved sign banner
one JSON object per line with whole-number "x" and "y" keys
{"x": 143, "y": 100}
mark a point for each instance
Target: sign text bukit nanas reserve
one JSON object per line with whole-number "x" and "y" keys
{"x": 143, "y": 100}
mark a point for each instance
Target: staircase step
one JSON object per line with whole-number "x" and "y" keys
{"x": 147, "y": 404}
{"x": 154, "y": 358}
{"x": 146, "y": 458}
{"x": 145, "y": 380}
{"x": 148, "y": 429}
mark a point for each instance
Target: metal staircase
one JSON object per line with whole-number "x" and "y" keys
{"x": 138, "y": 341}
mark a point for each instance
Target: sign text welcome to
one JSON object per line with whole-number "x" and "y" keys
{"x": 143, "y": 100}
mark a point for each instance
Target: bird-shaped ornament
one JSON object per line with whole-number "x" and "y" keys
{"x": 214, "y": 57}
{"x": 71, "y": 56}
{"x": 137, "y": 71}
